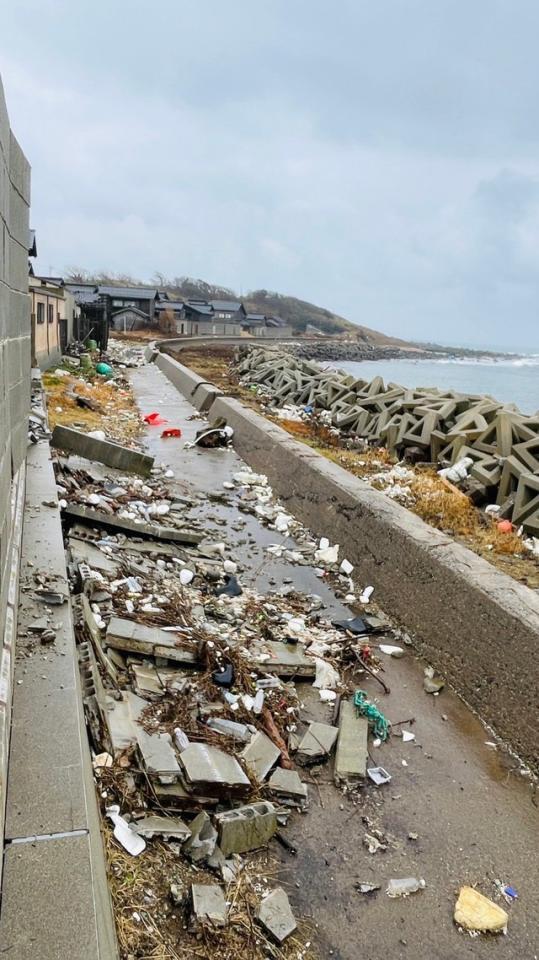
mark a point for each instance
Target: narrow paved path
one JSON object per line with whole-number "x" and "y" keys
{"x": 472, "y": 811}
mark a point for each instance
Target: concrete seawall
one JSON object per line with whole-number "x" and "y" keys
{"x": 476, "y": 625}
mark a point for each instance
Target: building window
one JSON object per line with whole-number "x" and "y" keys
{"x": 41, "y": 313}
{"x": 50, "y": 312}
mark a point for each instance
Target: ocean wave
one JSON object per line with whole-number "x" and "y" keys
{"x": 532, "y": 360}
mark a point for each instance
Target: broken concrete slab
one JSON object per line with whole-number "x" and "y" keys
{"x": 211, "y": 770}
{"x": 177, "y": 796}
{"x": 317, "y": 743}
{"x": 288, "y": 783}
{"x": 284, "y": 659}
{"x": 229, "y": 728}
{"x": 104, "y": 451}
{"x": 209, "y": 904}
{"x": 121, "y": 721}
{"x": 171, "y": 828}
{"x": 246, "y": 828}
{"x": 158, "y": 756}
{"x": 203, "y": 840}
{"x": 38, "y": 626}
{"x": 275, "y": 915}
{"x": 151, "y": 531}
{"x": 261, "y": 755}
{"x": 83, "y": 551}
{"x": 351, "y": 755}
{"x": 148, "y": 641}
{"x": 146, "y": 681}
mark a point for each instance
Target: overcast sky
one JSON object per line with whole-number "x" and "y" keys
{"x": 377, "y": 158}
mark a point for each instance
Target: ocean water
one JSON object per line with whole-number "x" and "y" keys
{"x": 508, "y": 380}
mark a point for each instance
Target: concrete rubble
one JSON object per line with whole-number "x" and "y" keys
{"x": 196, "y": 695}
{"x": 246, "y": 828}
{"x": 275, "y": 915}
{"x": 491, "y": 449}
{"x": 209, "y": 904}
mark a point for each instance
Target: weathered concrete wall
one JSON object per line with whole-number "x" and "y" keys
{"x": 14, "y": 400}
{"x": 476, "y": 625}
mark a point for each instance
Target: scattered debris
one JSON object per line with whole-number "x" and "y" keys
{"x": 378, "y": 775}
{"x": 432, "y": 683}
{"x": 192, "y": 690}
{"x": 275, "y": 915}
{"x": 129, "y": 840}
{"x": 367, "y": 888}
{"x": 474, "y": 912}
{"x": 405, "y": 886}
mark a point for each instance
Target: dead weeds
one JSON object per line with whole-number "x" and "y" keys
{"x": 151, "y": 925}
{"x": 115, "y": 410}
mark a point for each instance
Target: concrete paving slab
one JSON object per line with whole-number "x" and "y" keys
{"x": 55, "y": 897}
{"x": 317, "y": 743}
{"x": 138, "y": 638}
{"x": 49, "y": 909}
{"x": 351, "y": 755}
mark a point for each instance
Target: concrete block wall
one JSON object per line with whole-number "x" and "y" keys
{"x": 14, "y": 399}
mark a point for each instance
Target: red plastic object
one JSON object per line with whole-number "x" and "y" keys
{"x": 505, "y": 526}
{"x": 173, "y": 432}
{"x": 154, "y": 419}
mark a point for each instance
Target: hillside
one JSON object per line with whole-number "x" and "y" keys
{"x": 298, "y": 313}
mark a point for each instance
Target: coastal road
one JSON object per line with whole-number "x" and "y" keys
{"x": 469, "y": 809}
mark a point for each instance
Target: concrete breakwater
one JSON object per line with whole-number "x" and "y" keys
{"x": 475, "y": 624}
{"x": 498, "y": 443}
{"x": 326, "y": 350}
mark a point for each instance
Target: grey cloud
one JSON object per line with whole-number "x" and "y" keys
{"x": 379, "y": 159}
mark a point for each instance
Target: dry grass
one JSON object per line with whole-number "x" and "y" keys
{"x": 116, "y": 412}
{"x": 150, "y": 926}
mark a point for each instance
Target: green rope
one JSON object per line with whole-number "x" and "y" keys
{"x": 364, "y": 708}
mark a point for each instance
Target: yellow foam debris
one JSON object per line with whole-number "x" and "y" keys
{"x": 473, "y": 911}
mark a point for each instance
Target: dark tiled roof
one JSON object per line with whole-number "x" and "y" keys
{"x": 230, "y": 305}
{"x": 169, "y": 305}
{"x": 55, "y": 281}
{"x": 203, "y": 308}
{"x": 129, "y": 293}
